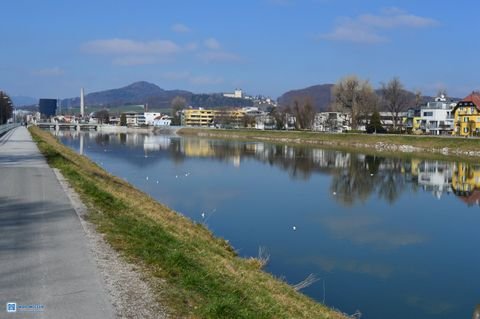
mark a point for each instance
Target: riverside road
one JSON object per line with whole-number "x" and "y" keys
{"x": 45, "y": 262}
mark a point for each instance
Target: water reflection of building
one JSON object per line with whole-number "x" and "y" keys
{"x": 466, "y": 183}
{"x": 387, "y": 177}
{"x": 197, "y": 147}
{"x": 435, "y": 176}
{"x": 326, "y": 158}
{"x": 156, "y": 142}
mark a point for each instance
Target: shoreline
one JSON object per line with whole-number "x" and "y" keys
{"x": 448, "y": 147}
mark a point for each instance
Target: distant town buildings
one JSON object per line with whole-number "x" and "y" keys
{"x": 237, "y": 94}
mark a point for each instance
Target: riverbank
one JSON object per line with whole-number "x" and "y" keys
{"x": 448, "y": 147}
{"x": 196, "y": 274}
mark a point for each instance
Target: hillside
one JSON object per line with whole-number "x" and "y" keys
{"x": 148, "y": 93}
{"x": 21, "y": 101}
{"x": 136, "y": 93}
{"x": 318, "y": 95}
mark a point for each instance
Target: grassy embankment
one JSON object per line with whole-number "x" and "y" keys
{"x": 201, "y": 275}
{"x": 448, "y": 148}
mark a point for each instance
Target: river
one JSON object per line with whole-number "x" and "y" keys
{"x": 389, "y": 237}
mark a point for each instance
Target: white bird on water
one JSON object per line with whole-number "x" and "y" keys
{"x": 334, "y": 193}
{"x": 294, "y": 228}
{"x": 146, "y": 178}
{"x": 203, "y": 215}
{"x": 371, "y": 174}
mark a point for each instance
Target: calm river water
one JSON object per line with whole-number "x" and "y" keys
{"x": 390, "y": 237}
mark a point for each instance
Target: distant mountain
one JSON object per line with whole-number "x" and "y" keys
{"x": 319, "y": 95}
{"x": 20, "y": 101}
{"x": 136, "y": 93}
{"x": 148, "y": 93}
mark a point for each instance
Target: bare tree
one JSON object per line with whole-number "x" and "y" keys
{"x": 178, "y": 103}
{"x": 280, "y": 116}
{"x": 418, "y": 98}
{"x": 304, "y": 113}
{"x": 355, "y": 96}
{"x": 102, "y": 116}
{"x": 395, "y": 99}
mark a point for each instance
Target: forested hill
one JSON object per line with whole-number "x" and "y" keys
{"x": 148, "y": 93}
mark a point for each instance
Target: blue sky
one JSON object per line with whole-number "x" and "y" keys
{"x": 52, "y": 48}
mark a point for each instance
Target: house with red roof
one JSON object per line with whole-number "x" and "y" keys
{"x": 467, "y": 116}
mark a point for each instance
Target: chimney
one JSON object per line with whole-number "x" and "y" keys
{"x": 82, "y": 103}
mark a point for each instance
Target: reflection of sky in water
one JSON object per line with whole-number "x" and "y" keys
{"x": 392, "y": 238}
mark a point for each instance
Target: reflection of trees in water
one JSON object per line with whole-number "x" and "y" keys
{"x": 102, "y": 139}
{"x": 368, "y": 175}
{"x": 391, "y": 182}
{"x": 355, "y": 177}
{"x": 352, "y": 183}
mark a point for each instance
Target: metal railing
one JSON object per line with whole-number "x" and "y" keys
{"x": 7, "y": 127}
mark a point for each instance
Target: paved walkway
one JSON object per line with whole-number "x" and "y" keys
{"x": 44, "y": 256}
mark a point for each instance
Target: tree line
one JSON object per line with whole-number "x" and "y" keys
{"x": 6, "y": 107}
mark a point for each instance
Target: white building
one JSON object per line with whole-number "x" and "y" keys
{"x": 253, "y": 111}
{"x": 265, "y": 122}
{"x": 134, "y": 119}
{"x": 334, "y": 122}
{"x": 163, "y": 120}
{"x": 237, "y": 94}
{"x": 150, "y": 117}
{"x": 436, "y": 117}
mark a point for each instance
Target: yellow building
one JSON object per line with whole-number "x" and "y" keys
{"x": 210, "y": 117}
{"x": 411, "y": 122}
{"x": 467, "y": 116}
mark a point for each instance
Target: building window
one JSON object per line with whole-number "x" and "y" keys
{"x": 427, "y": 113}
{"x": 465, "y": 130}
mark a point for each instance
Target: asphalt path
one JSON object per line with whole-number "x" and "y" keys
{"x": 45, "y": 260}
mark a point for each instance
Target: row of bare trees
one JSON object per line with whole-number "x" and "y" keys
{"x": 358, "y": 97}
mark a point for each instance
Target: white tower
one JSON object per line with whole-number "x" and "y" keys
{"x": 82, "y": 103}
